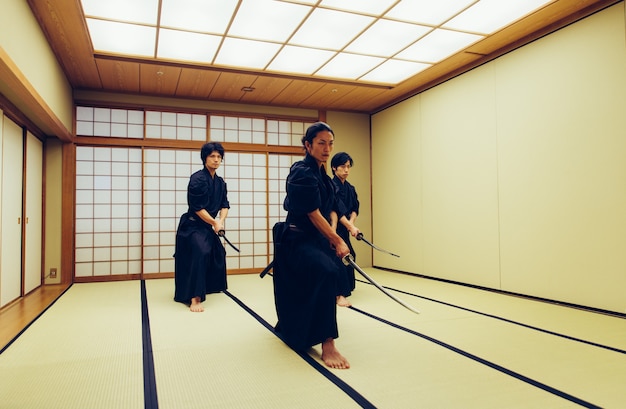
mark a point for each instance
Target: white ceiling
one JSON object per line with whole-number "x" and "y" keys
{"x": 366, "y": 41}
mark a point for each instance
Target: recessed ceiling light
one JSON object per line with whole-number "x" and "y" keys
{"x": 205, "y": 16}
{"x": 267, "y": 20}
{"x": 352, "y": 66}
{"x": 122, "y": 38}
{"x": 236, "y": 52}
{"x": 383, "y": 41}
{"x": 198, "y": 47}
{"x": 330, "y": 29}
{"x": 438, "y": 45}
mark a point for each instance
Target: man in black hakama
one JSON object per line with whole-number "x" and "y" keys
{"x": 308, "y": 252}
{"x": 200, "y": 258}
{"x": 348, "y": 199}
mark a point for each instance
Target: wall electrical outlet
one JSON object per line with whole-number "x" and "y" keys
{"x": 53, "y": 273}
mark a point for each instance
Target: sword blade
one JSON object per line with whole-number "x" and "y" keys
{"x": 360, "y": 237}
{"x": 349, "y": 260}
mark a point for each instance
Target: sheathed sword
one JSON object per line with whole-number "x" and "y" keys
{"x": 222, "y": 234}
{"x": 348, "y": 260}
{"x": 360, "y": 237}
{"x": 267, "y": 269}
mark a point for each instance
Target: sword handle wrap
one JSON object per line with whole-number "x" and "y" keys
{"x": 346, "y": 259}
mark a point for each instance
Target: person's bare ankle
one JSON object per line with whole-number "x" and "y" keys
{"x": 196, "y": 305}
{"x": 331, "y": 356}
{"x": 343, "y": 301}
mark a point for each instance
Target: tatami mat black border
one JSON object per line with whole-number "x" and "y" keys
{"x": 356, "y": 396}
{"x": 490, "y": 364}
{"x": 149, "y": 379}
{"x": 497, "y": 317}
{"x": 566, "y": 304}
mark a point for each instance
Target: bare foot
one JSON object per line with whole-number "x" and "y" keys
{"x": 196, "y": 306}
{"x": 331, "y": 356}
{"x": 343, "y": 301}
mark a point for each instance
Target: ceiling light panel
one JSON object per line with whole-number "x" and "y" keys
{"x": 267, "y": 20}
{"x": 137, "y": 11}
{"x": 394, "y": 71}
{"x": 236, "y": 52}
{"x": 428, "y": 11}
{"x": 385, "y": 38}
{"x": 373, "y": 7}
{"x": 350, "y": 66}
{"x": 300, "y": 60}
{"x": 438, "y": 45}
{"x": 329, "y": 29}
{"x": 380, "y": 41}
{"x": 206, "y": 16}
{"x": 198, "y": 47}
{"x": 122, "y": 38}
{"x": 488, "y": 16}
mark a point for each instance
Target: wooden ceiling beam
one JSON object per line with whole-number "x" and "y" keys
{"x": 25, "y": 97}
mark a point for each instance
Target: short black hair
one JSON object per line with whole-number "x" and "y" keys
{"x": 339, "y": 159}
{"x": 210, "y": 147}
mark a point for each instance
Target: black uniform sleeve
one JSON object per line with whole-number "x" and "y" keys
{"x": 355, "y": 200}
{"x": 225, "y": 204}
{"x": 198, "y": 192}
{"x": 302, "y": 191}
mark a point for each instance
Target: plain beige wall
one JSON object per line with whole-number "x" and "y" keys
{"x": 352, "y": 135}
{"x": 513, "y": 176}
{"x": 397, "y": 212}
{"x": 23, "y": 40}
{"x": 52, "y": 211}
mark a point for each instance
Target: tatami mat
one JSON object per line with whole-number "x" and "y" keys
{"x": 547, "y": 343}
{"x": 224, "y": 358}
{"x": 84, "y": 352}
{"x": 396, "y": 369}
{"x": 468, "y": 348}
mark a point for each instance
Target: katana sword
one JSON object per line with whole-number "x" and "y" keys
{"x": 360, "y": 237}
{"x": 222, "y": 234}
{"x": 348, "y": 260}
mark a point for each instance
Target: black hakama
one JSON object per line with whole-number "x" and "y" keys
{"x": 200, "y": 257}
{"x": 348, "y": 204}
{"x": 305, "y": 267}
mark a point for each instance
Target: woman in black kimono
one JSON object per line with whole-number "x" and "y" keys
{"x": 307, "y": 253}
{"x": 200, "y": 258}
{"x": 340, "y": 165}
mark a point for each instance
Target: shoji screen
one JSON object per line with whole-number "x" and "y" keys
{"x": 108, "y": 211}
{"x": 129, "y": 199}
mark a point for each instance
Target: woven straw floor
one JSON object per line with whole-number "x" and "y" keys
{"x": 468, "y": 348}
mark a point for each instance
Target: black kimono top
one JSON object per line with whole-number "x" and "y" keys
{"x": 347, "y": 197}
{"x": 206, "y": 192}
{"x": 308, "y": 188}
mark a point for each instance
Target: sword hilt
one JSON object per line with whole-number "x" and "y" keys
{"x": 346, "y": 259}
{"x": 221, "y": 233}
